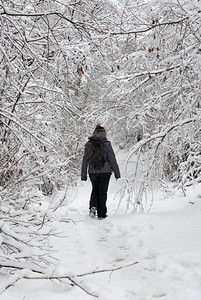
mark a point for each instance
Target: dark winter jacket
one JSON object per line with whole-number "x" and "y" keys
{"x": 110, "y": 163}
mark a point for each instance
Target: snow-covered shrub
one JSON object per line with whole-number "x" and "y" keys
{"x": 190, "y": 163}
{"x": 25, "y": 229}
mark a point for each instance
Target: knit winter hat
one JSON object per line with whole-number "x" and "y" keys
{"x": 99, "y": 130}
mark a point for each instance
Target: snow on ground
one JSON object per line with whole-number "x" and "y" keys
{"x": 158, "y": 253}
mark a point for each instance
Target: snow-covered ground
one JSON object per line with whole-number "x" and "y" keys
{"x": 155, "y": 255}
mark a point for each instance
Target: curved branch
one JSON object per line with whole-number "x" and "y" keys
{"x": 149, "y": 28}
{"x": 5, "y": 11}
{"x": 8, "y": 12}
{"x": 160, "y": 135}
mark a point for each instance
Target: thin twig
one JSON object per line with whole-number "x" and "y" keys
{"x": 108, "y": 270}
{"x": 62, "y": 200}
{"x": 78, "y": 285}
{"x": 9, "y": 285}
{"x": 18, "y": 268}
{"x": 81, "y": 275}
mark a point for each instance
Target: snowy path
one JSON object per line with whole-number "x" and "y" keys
{"x": 165, "y": 243}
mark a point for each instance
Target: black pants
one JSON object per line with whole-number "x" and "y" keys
{"x": 100, "y": 182}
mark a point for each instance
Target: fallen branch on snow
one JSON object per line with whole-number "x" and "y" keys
{"x": 22, "y": 274}
{"x": 70, "y": 278}
{"x": 108, "y": 270}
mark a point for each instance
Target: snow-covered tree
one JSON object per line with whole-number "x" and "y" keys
{"x": 153, "y": 91}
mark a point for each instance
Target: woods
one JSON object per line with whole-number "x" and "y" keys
{"x": 134, "y": 66}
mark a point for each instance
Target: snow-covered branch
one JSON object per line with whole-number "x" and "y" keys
{"x": 148, "y": 27}
{"x": 12, "y": 118}
{"x": 160, "y": 135}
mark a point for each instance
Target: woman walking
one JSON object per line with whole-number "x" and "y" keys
{"x": 99, "y": 160}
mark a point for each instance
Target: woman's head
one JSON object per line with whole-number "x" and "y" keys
{"x": 99, "y": 130}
